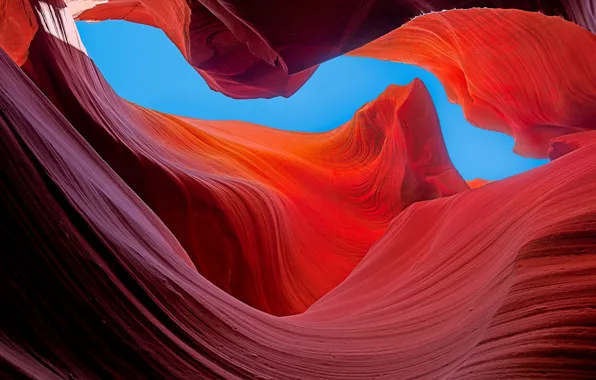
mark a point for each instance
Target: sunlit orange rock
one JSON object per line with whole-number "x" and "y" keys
{"x": 17, "y": 27}
{"x": 477, "y": 182}
{"x": 266, "y": 49}
{"x": 458, "y": 287}
{"x": 115, "y": 218}
{"x": 524, "y": 74}
{"x": 247, "y": 49}
{"x": 224, "y": 187}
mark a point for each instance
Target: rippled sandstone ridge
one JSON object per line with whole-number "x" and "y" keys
{"x": 137, "y": 244}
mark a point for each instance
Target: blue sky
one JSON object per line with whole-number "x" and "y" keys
{"x": 143, "y": 66}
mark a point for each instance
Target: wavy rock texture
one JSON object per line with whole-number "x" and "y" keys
{"x": 267, "y": 48}
{"x": 222, "y": 185}
{"x": 247, "y": 49}
{"x": 528, "y": 78}
{"x": 136, "y": 242}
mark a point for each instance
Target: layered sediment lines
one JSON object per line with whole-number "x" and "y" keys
{"x": 145, "y": 245}
{"x": 270, "y": 48}
{"x": 518, "y": 73}
{"x": 264, "y": 214}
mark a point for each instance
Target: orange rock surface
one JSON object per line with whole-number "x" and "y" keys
{"x": 476, "y": 183}
{"x": 508, "y": 75}
{"x": 269, "y": 48}
{"x": 143, "y": 245}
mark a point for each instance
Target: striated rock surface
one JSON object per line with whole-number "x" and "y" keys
{"x": 262, "y": 213}
{"x": 265, "y": 48}
{"x": 530, "y": 76}
{"x": 143, "y": 245}
{"x": 270, "y": 48}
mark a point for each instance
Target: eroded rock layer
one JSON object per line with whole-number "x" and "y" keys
{"x": 269, "y": 48}
{"x": 519, "y": 73}
{"x": 144, "y": 245}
